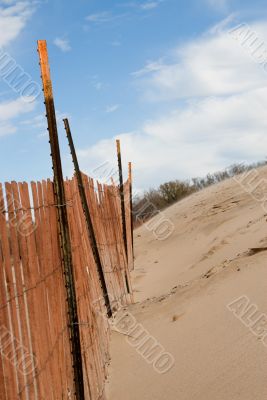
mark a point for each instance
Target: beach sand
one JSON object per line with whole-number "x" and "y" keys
{"x": 182, "y": 286}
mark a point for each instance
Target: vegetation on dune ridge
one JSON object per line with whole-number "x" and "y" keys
{"x": 168, "y": 193}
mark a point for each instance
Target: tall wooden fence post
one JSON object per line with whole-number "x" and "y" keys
{"x": 122, "y": 197}
{"x": 123, "y": 216}
{"x": 89, "y": 223}
{"x": 63, "y": 221}
{"x": 131, "y": 200}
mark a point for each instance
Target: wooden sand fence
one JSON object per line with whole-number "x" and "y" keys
{"x": 36, "y": 357}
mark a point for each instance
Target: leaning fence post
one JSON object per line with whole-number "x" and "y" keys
{"x": 131, "y": 201}
{"x": 123, "y": 216}
{"x": 59, "y": 191}
{"x": 122, "y": 197}
{"x": 89, "y": 223}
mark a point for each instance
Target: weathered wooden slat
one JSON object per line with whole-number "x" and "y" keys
{"x": 31, "y": 388}
{"x": 31, "y": 276}
{"x": 8, "y": 380}
{"x": 47, "y": 373}
{"x": 13, "y": 353}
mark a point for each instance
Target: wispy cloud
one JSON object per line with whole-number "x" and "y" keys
{"x": 212, "y": 65}
{"x": 101, "y": 17}
{"x": 13, "y": 18}
{"x": 203, "y": 137}
{"x": 9, "y": 111}
{"x": 39, "y": 122}
{"x": 112, "y": 108}
{"x": 6, "y": 129}
{"x": 223, "y": 25}
{"x": 220, "y": 5}
{"x": 150, "y": 5}
{"x": 14, "y": 108}
{"x": 96, "y": 82}
{"x": 108, "y": 16}
{"x": 143, "y": 5}
{"x": 151, "y": 66}
{"x": 62, "y": 44}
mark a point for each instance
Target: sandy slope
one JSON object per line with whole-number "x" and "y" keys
{"x": 182, "y": 286}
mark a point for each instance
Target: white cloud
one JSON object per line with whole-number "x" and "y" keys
{"x": 112, "y": 108}
{"x": 108, "y": 16}
{"x": 151, "y": 66}
{"x": 62, "y": 44}
{"x": 101, "y": 17}
{"x": 143, "y": 5}
{"x": 39, "y": 122}
{"x": 36, "y": 122}
{"x": 150, "y": 5}
{"x": 221, "y": 117}
{"x": 96, "y": 82}
{"x": 203, "y": 137}
{"x": 11, "y": 110}
{"x": 215, "y": 64}
{"x": 13, "y": 19}
{"x": 221, "y": 26}
{"x": 6, "y": 129}
{"x": 220, "y": 5}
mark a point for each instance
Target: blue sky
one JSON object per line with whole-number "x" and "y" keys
{"x": 165, "y": 76}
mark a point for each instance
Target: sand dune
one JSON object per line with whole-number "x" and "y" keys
{"x": 183, "y": 285}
